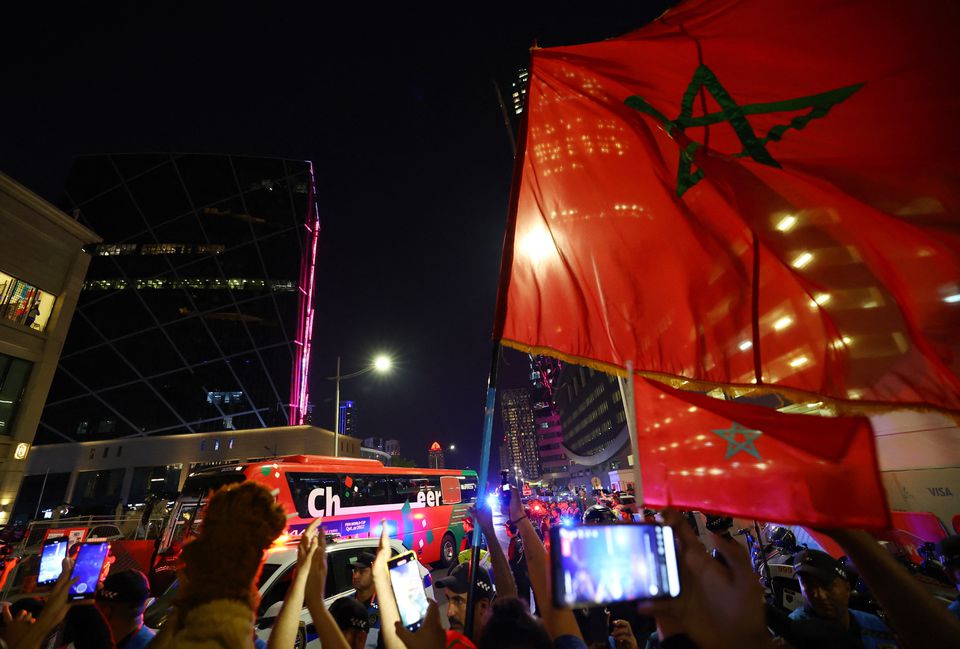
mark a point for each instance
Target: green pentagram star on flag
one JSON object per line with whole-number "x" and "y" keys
{"x": 754, "y": 146}
{"x": 739, "y": 439}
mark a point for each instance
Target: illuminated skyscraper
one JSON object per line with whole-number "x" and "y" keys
{"x": 197, "y": 310}
{"x": 518, "y": 91}
{"x": 596, "y": 439}
{"x": 554, "y": 464}
{"x": 435, "y": 457}
{"x": 348, "y": 419}
{"x": 520, "y": 435}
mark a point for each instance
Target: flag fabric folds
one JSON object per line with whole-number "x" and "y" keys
{"x": 719, "y": 456}
{"x": 744, "y": 186}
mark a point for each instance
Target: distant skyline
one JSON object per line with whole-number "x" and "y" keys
{"x": 395, "y": 106}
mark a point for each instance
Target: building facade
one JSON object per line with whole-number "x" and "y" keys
{"x": 348, "y": 418}
{"x": 392, "y": 446}
{"x": 95, "y": 476}
{"x": 435, "y": 458}
{"x": 554, "y": 463}
{"x": 520, "y": 435}
{"x": 197, "y": 310}
{"x": 596, "y": 438}
{"x": 42, "y": 267}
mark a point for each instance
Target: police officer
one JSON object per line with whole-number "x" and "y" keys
{"x": 826, "y": 621}
{"x": 362, "y": 580}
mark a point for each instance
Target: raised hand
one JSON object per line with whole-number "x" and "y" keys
{"x": 719, "y": 605}
{"x": 429, "y": 636}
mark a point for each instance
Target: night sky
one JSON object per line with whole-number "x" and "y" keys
{"x": 396, "y": 107}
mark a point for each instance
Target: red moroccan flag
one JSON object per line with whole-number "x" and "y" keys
{"x": 744, "y": 185}
{"x": 744, "y": 460}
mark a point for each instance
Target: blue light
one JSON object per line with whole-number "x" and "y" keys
{"x": 391, "y": 529}
{"x": 566, "y": 521}
{"x": 492, "y": 501}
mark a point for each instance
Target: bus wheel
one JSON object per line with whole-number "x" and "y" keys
{"x": 448, "y": 551}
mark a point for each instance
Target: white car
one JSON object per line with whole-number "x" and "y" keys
{"x": 275, "y": 579}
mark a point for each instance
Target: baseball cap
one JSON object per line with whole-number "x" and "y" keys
{"x": 349, "y": 613}
{"x": 459, "y": 581}
{"x": 128, "y": 586}
{"x": 363, "y": 560}
{"x": 818, "y": 564}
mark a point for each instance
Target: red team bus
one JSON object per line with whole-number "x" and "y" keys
{"x": 424, "y": 508}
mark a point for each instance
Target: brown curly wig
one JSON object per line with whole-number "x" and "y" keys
{"x": 224, "y": 561}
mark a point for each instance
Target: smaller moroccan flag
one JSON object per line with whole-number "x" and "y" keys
{"x": 697, "y": 452}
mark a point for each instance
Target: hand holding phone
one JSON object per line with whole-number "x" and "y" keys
{"x": 87, "y": 570}
{"x": 51, "y": 560}
{"x": 602, "y": 564}
{"x": 408, "y": 589}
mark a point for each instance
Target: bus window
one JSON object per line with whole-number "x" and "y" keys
{"x": 405, "y": 489}
{"x": 303, "y": 484}
{"x": 369, "y": 490}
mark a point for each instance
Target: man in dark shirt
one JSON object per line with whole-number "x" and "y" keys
{"x": 362, "y": 581}
{"x": 826, "y": 620}
{"x": 121, "y": 600}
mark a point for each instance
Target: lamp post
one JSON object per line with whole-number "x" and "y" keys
{"x": 381, "y": 364}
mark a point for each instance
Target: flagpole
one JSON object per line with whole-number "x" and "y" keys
{"x": 482, "y": 484}
{"x": 628, "y": 397}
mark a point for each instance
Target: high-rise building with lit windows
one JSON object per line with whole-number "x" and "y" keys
{"x": 520, "y": 435}
{"x": 554, "y": 464}
{"x": 518, "y": 91}
{"x": 197, "y": 310}
{"x": 596, "y": 440}
{"x": 435, "y": 458}
{"x": 348, "y": 418}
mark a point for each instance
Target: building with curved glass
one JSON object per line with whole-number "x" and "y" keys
{"x": 197, "y": 308}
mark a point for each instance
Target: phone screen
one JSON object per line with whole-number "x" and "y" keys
{"x": 51, "y": 560}
{"x": 88, "y": 567}
{"x": 408, "y": 589}
{"x": 602, "y": 564}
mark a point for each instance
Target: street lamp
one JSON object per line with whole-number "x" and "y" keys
{"x": 381, "y": 364}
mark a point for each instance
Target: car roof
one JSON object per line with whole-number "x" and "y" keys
{"x": 288, "y": 553}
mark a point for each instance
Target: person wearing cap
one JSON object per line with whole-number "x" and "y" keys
{"x": 455, "y": 587}
{"x": 122, "y": 599}
{"x": 351, "y": 618}
{"x": 362, "y": 580}
{"x": 949, "y": 551}
{"x": 826, "y": 620}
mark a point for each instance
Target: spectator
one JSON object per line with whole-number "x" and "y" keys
{"x": 455, "y": 587}
{"x": 503, "y": 582}
{"x": 949, "y": 551}
{"x": 217, "y": 600}
{"x": 309, "y": 584}
{"x": 22, "y": 632}
{"x": 352, "y": 619}
{"x": 826, "y": 620}
{"x": 121, "y": 599}
{"x": 510, "y": 626}
{"x": 918, "y": 619}
{"x": 362, "y": 580}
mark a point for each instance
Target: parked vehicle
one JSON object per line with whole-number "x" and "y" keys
{"x": 275, "y": 580}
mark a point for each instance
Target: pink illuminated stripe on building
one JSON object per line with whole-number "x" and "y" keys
{"x": 299, "y": 387}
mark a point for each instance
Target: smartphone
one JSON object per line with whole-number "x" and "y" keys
{"x": 88, "y": 567}
{"x": 51, "y": 560}
{"x": 505, "y": 496}
{"x": 408, "y": 589}
{"x": 594, "y": 565}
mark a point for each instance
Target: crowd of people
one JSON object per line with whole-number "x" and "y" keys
{"x": 721, "y": 603}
